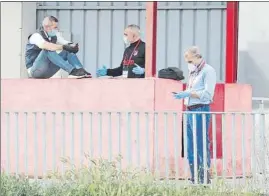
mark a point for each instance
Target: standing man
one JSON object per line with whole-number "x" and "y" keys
{"x": 198, "y": 95}
{"x": 44, "y": 56}
{"x": 133, "y": 62}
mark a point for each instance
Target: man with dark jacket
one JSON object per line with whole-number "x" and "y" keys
{"x": 45, "y": 55}
{"x": 133, "y": 62}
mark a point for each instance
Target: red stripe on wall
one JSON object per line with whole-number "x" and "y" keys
{"x": 231, "y": 41}
{"x": 151, "y": 41}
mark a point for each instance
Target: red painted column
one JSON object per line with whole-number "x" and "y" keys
{"x": 231, "y": 41}
{"x": 151, "y": 34}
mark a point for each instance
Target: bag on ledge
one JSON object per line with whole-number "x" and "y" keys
{"x": 173, "y": 73}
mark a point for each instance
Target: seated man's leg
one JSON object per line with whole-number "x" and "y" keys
{"x": 59, "y": 61}
{"x": 42, "y": 67}
{"x": 72, "y": 59}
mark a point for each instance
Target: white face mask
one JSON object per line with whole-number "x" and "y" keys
{"x": 191, "y": 67}
{"x": 126, "y": 41}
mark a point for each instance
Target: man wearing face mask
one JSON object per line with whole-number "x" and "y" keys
{"x": 44, "y": 55}
{"x": 60, "y": 39}
{"x": 198, "y": 97}
{"x": 133, "y": 62}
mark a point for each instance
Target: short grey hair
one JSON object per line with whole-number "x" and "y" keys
{"x": 134, "y": 28}
{"x": 46, "y": 21}
{"x": 194, "y": 52}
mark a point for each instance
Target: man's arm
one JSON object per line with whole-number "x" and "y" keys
{"x": 51, "y": 46}
{"x": 40, "y": 42}
{"x": 61, "y": 40}
{"x": 142, "y": 49}
{"x": 116, "y": 71}
{"x": 210, "y": 83}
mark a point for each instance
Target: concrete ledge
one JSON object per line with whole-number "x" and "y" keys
{"x": 57, "y": 95}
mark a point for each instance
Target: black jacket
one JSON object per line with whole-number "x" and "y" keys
{"x": 32, "y": 51}
{"x": 134, "y": 54}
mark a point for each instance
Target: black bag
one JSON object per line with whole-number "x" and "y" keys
{"x": 173, "y": 73}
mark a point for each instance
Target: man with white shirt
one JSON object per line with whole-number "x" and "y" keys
{"x": 45, "y": 54}
{"x": 60, "y": 38}
{"x": 198, "y": 97}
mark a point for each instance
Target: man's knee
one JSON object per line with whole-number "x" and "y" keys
{"x": 51, "y": 52}
{"x": 53, "y": 55}
{"x": 48, "y": 52}
{"x": 71, "y": 53}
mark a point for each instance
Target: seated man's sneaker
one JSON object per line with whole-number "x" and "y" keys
{"x": 88, "y": 73}
{"x": 79, "y": 73}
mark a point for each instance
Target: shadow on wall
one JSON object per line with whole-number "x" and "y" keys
{"x": 255, "y": 72}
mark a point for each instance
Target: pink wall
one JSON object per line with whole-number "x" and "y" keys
{"x": 232, "y": 98}
{"x": 146, "y": 95}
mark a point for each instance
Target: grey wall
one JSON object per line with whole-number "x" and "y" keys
{"x": 98, "y": 27}
{"x": 253, "y": 47}
{"x": 28, "y": 26}
{"x": 11, "y": 24}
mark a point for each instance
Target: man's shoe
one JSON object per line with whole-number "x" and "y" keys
{"x": 78, "y": 73}
{"x": 89, "y": 75}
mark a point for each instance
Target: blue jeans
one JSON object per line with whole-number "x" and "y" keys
{"x": 49, "y": 62}
{"x": 199, "y": 137}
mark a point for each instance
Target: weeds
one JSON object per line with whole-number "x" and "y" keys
{"x": 103, "y": 178}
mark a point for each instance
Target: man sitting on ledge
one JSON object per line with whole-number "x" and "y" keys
{"x": 45, "y": 56}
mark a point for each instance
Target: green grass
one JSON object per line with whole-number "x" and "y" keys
{"x": 104, "y": 178}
